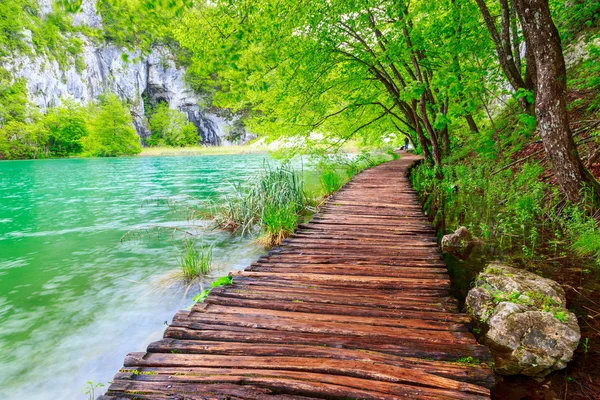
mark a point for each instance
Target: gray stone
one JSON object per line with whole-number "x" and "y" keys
{"x": 523, "y": 321}
{"x": 460, "y": 243}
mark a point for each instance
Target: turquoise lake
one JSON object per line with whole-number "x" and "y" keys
{"x": 74, "y": 299}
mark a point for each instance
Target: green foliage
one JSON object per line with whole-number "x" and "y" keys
{"x": 330, "y": 181}
{"x": 66, "y": 127}
{"x": 561, "y": 316}
{"x": 200, "y": 297}
{"x": 504, "y": 207}
{"x": 171, "y": 128}
{"x": 314, "y": 72}
{"x": 90, "y": 389}
{"x": 336, "y": 169}
{"x": 585, "y": 345}
{"x": 586, "y": 76}
{"x": 274, "y": 200}
{"x": 23, "y": 30}
{"x": 582, "y": 229}
{"x": 195, "y": 262}
{"x": 575, "y": 17}
{"x": 510, "y": 297}
{"x": 139, "y": 24}
{"x": 21, "y": 132}
{"x": 21, "y": 140}
{"x": 222, "y": 281}
{"x": 111, "y": 131}
{"x": 468, "y": 360}
{"x": 14, "y": 105}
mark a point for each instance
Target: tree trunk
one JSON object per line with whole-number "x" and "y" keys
{"x": 541, "y": 37}
{"x": 435, "y": 148}
{"x": 472, "y": 124}
{"x": 419, "y": 130}
{"x": 506, "y": 60}
{"x": 505, "y": 45}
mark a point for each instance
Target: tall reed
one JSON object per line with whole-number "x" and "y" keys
{"x": 273, "y": 201}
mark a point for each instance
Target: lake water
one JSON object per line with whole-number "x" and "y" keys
{"x": 74, "y": 300}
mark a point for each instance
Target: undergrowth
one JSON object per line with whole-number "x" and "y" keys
{"x": 503, "y": 193}
{"x": 514, "y": 210}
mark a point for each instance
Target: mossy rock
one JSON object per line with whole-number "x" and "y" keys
{"x": 524, "y": 321}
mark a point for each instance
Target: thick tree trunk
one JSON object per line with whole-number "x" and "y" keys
{"x": 541, "y": 37}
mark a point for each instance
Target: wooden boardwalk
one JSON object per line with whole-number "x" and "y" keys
{"x": 355, "y": 305}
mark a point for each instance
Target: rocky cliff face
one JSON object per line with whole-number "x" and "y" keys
{"x": 130, "y": 74}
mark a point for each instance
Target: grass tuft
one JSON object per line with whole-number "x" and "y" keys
{"x": 195, "y": 262}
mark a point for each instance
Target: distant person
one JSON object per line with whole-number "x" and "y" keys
{"x": 405, "y": 143}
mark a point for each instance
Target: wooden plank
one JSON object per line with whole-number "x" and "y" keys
{"x": 353, "y": 368}
{"x": 476, "y": 374}
{"x": 403, "y": 321}
{"x": 403, "y": 347}
{"x": 297, "y": 305}
{"x": 364, "y": 281}
{"x": 302, "y": 295}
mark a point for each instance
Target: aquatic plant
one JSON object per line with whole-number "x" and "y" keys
{"x": 272, "y": 201}
{"x": 195, "y": 262}
{"x": 222, "y": 281}
{"x": 279, "y": 222}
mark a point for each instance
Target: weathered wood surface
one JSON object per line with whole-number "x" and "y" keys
{"x": 356, "y": 304}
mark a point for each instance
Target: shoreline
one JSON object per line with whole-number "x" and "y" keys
{"x": 201, "y": 151}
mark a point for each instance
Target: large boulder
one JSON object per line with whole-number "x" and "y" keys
{"x": 459, "y": 244}
{"x": 523, "y": 320}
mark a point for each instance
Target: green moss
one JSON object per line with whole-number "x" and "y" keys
{"x": 560, "y": 315}
{"x": 468, "y": 360}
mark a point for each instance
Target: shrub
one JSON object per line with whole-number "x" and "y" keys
{"x": 171, "y": 128}
{"x": 21, "y": 133}
{"x": 66, "y": 127}
{"x": 111, "y": 131}
{"x": 21, "y": 140}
